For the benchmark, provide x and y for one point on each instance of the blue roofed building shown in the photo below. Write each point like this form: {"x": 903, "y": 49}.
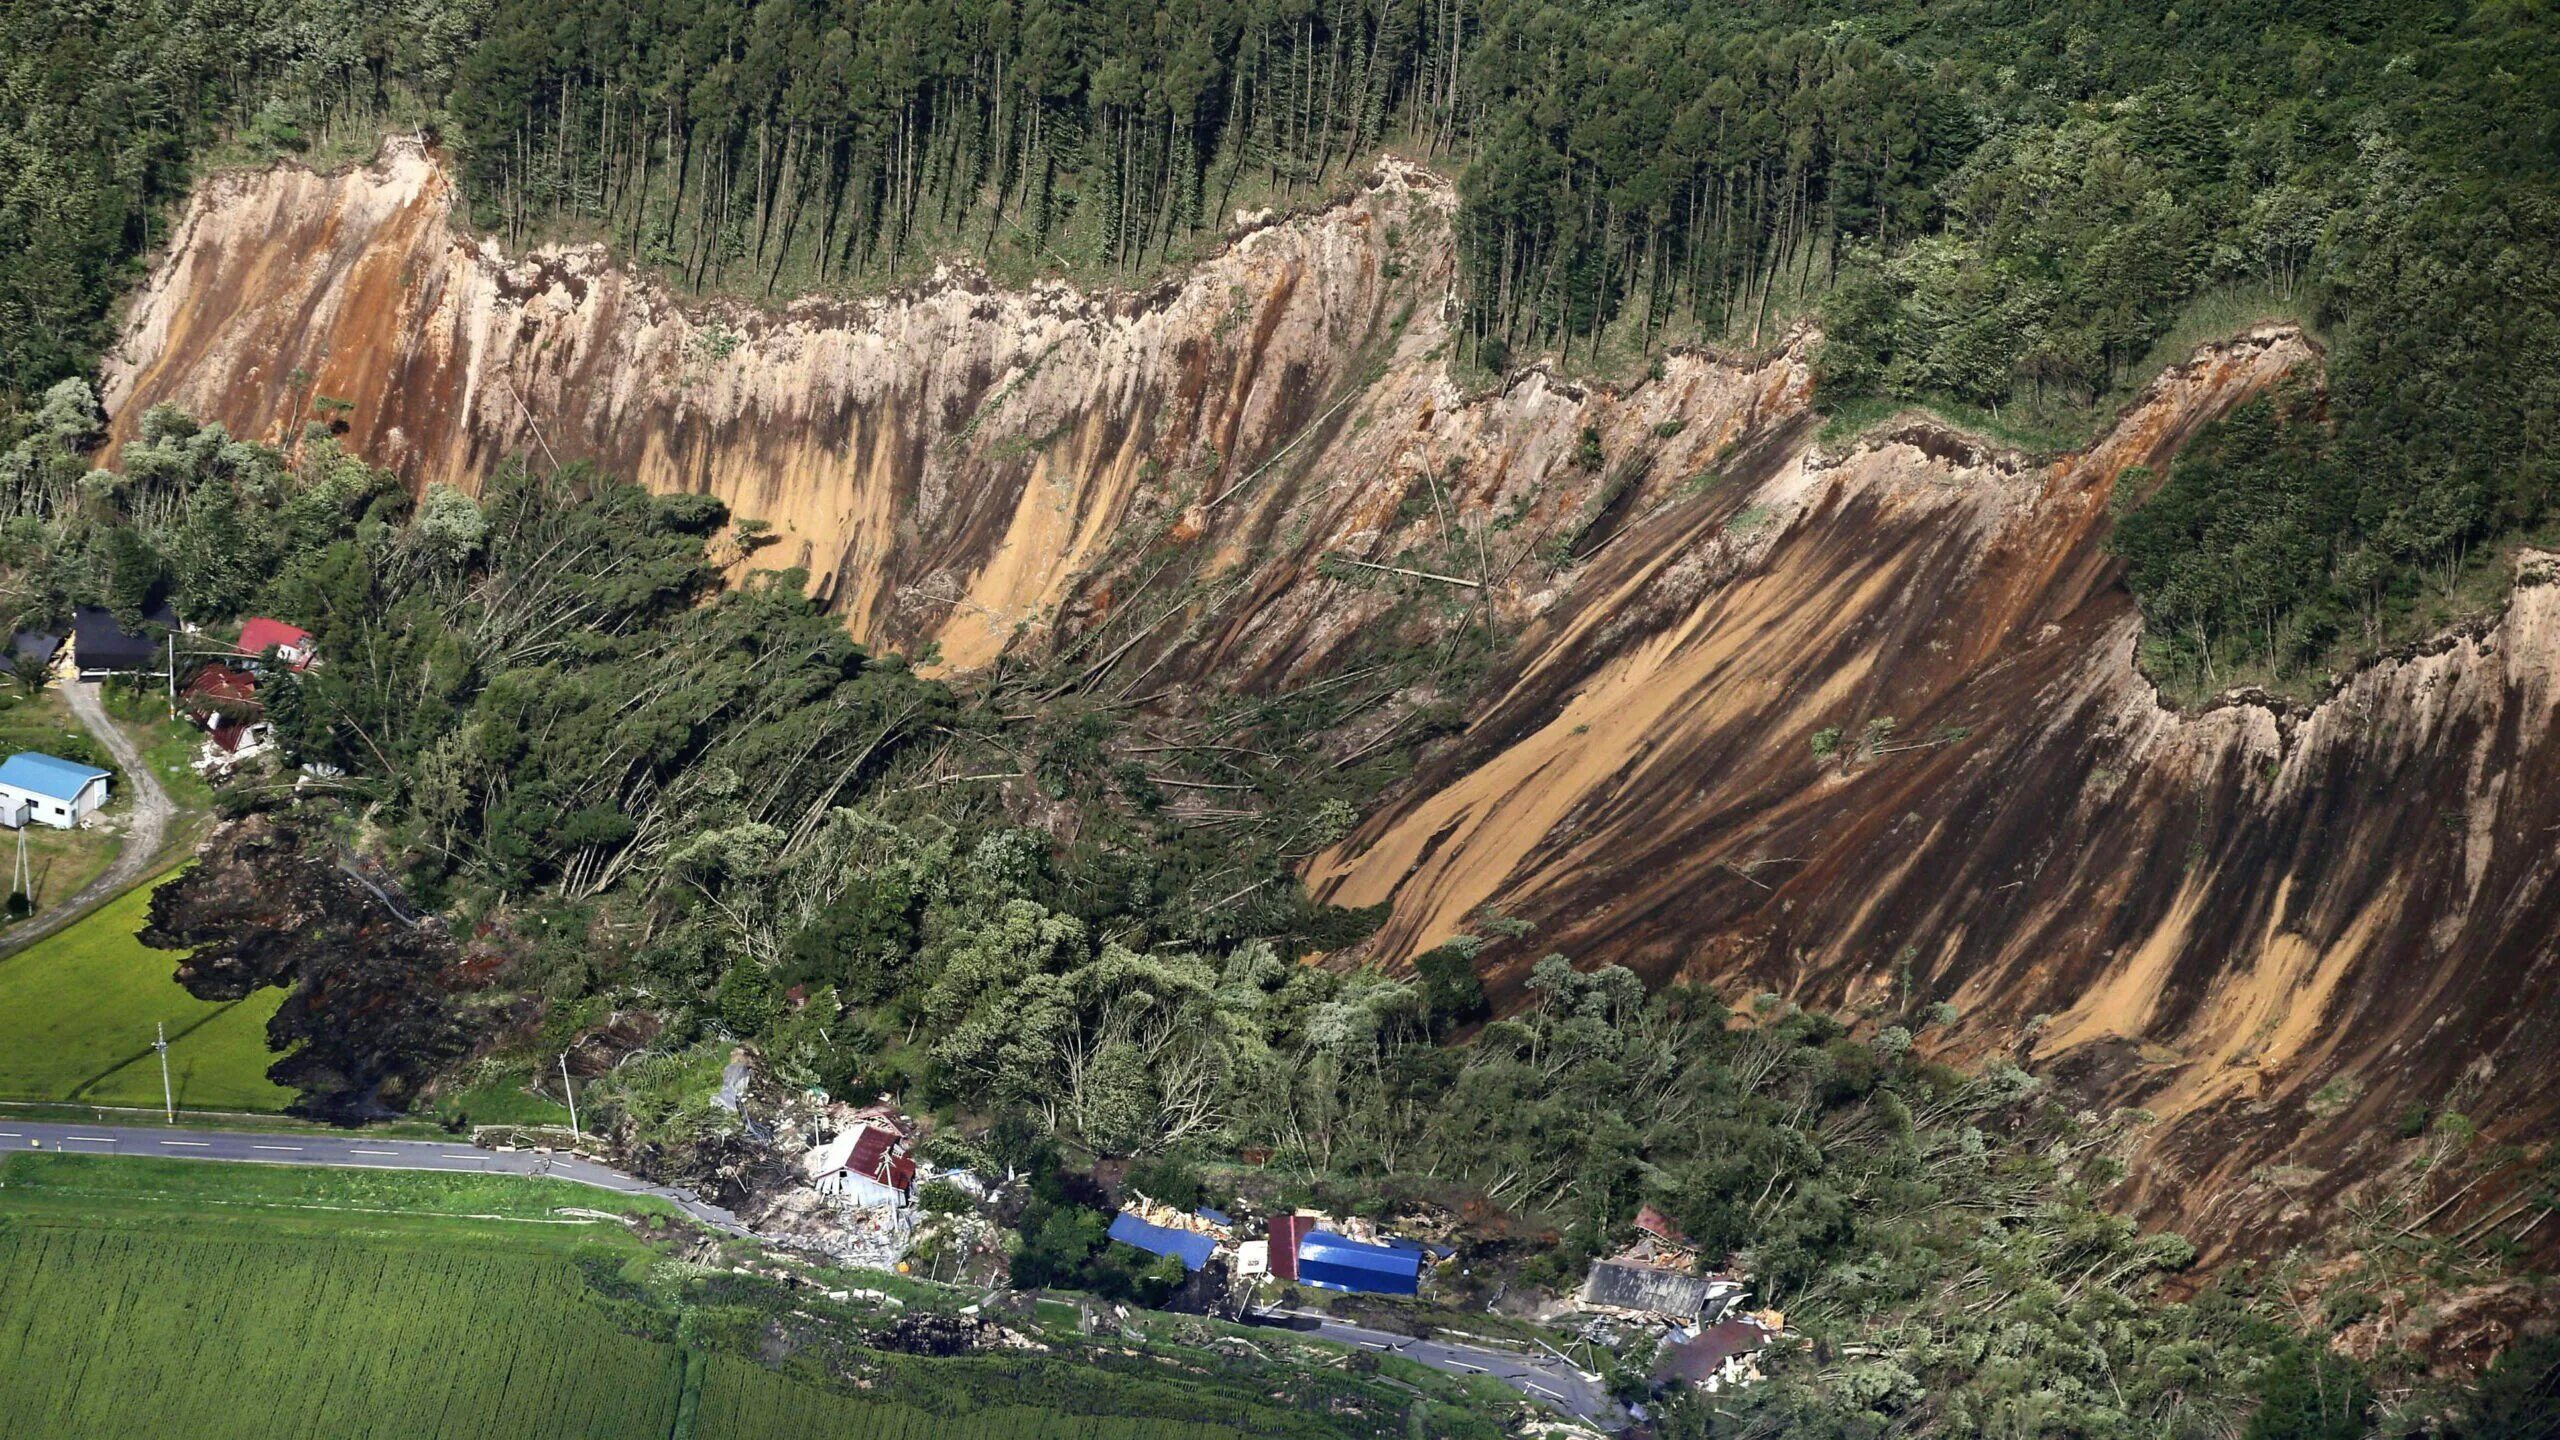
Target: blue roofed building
{"x": 1191, "y": 1249}
{"x": 1336, "y": 1262}
{"x": 48, "y": 790}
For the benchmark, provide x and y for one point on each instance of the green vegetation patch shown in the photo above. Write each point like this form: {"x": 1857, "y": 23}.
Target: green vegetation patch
{"x": 195, "y": 1187}
{"x": 118, "y": 1332}
{"x": 76, "y": 1015}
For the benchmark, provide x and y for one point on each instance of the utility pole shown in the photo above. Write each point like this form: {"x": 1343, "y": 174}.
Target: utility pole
{"x": 566, "y": 1090}
{"x": 168, "y": 1100}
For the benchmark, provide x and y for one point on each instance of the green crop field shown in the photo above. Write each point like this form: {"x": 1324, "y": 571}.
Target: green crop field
{"x": 237, "y": 1302}
{"x": 742, "y": 1401}
{"x": 76, "y": 1017}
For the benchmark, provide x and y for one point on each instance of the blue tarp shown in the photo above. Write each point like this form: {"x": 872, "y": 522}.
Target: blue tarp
{"x": 1192, "y": 1250}
{"x": 1336, "y": 1263}
{"x": 1214, "y": 1217}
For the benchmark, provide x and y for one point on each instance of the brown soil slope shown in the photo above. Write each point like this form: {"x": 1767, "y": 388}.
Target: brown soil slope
{"x": 2221, "y": 915}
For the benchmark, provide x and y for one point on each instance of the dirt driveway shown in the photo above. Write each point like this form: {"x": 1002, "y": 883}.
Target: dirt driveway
{"x": 146, "y": 829}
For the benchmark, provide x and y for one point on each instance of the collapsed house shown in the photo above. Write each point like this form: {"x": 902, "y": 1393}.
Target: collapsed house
{"x": 1721, "y": 1355}
{"x": 1192, "y": 1248}
{"x": 1654, "y": 1280}
{"x": 224, "y": 701}
{"x": 1630, "y": 1290}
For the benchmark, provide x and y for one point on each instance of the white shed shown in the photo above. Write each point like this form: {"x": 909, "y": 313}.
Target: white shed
{"x": 48, "y": 790}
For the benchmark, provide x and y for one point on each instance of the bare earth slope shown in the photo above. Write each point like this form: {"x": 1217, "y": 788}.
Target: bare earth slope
{"x": 2220, "y": 915}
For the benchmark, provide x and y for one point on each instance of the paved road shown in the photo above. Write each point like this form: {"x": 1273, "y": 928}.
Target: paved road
{"x": 1542, "y": 1378}
{"x": 355, "y": 1152}
{"x": 146, "y": 825}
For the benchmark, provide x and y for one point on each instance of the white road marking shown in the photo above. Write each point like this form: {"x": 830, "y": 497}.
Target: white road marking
{"x": 8, "y": 1134}
{"x": 92, "y": 1139}
{"x": 190, "y": 1144}
{"x": 276, "y": 1147}
{"x": 373, "y": 1152}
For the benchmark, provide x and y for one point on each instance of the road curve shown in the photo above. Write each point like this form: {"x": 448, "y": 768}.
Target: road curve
{"x": 144, "y": 835}
{"x": 1548, "y": 1381}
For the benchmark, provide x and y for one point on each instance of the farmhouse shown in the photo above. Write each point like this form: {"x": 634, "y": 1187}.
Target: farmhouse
{"x": 291, "y": 643}
{"x": 101, "y": 647}
{"x": 867, "y": 1165}
{"x": 48, "y": 790}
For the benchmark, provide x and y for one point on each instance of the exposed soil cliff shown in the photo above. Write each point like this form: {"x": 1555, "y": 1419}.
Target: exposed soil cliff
{"x": 2278, "y": 929}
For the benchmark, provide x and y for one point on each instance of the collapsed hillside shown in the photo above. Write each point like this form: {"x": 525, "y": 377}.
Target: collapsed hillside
{"x": 1856, "y": 725}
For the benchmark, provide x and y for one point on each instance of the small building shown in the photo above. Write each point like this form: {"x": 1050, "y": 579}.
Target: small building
{"x": 48, "y": 790}
{"x": 31, "y": 652}
{"x": 1653, "y": 1292}
{"x": 868, "y": 1165}
{"x": 1337, "y": 1262}
{"x": 291, "y": 643}
{"x": 1189, "y": 1246}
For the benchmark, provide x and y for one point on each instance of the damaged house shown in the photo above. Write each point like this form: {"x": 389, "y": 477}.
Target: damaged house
{"x": 1724, "y": 1354}
{"x": 869, "y": 1165}
{"x": 1632, "y": 1290}
{"x": 225, "y": 702}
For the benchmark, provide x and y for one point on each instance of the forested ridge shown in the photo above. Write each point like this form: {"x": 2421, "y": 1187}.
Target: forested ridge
{"x": 1999, "y": 207}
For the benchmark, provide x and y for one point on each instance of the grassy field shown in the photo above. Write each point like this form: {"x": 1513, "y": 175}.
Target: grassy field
{"x": 163, "y": 1297}
{"x": 76, "y": 1017}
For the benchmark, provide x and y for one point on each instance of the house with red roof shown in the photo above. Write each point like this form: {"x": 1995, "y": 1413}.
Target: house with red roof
{"x": 868, "y": 1164}
{"x": 291, "y": 643}
{"x": 225, "y": 702}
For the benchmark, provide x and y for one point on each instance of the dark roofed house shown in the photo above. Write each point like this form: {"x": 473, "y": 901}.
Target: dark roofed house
{"x": 1622, "y": 1287}
{"x": 101, "y": 647}
{"x": 31, "y": 652}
